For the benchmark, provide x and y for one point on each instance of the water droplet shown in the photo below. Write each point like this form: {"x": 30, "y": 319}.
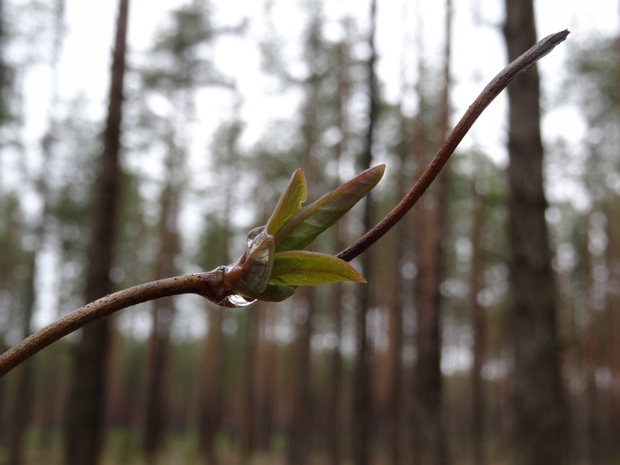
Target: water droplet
{"x": 239, "y": 300}
{"x": 253, "y": 234}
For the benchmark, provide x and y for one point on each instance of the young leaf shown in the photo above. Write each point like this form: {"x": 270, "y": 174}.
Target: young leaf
{"x": 275, "y": 293}
{"x": 301, "y": 268}
{"x": 311, "y": 220}
{"x": 290, "y": 201}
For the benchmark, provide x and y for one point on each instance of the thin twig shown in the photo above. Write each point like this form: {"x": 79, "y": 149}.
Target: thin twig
{"x": 205, "y": 284}
{"x": 213, "y": 286}
{"x": 492, "y": 90}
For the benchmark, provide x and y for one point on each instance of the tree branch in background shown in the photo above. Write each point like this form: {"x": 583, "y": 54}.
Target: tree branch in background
{"x": 216, "y": 285}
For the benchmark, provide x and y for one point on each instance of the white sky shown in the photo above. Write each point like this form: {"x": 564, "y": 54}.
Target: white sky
{"x": 477, "y": 51}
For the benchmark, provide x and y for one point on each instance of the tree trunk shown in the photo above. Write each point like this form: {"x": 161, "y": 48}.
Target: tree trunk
{"x": 248, "y": 398}
{"x": 211, "y": 400}
{"x": 537, "y": 397}
{"x": 429, "y": 447}
{"x": 87, "y": 399}
{"x": 611, "y": 448}
{"x": 162, "y": 311}
{"x": 266, "y": 379}
{"x": 4, "y": 110}
{"x": 334, "y": 410}
{"x": 478, "y": 324}
{"x": 396, "y": 405}
{"x": 590, "y": 360}
{"x": 22, "y": 403}
{"x": 429, "y": 442}
{"x": 302, "y": 414}
{"x": 362, "y": 393}
{"x": 613, "y": 310}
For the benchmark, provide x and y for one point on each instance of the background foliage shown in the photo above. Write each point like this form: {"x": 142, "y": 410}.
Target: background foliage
{"x": 204, "y": 163}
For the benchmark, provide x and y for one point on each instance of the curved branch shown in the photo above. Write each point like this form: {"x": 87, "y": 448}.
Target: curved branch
{"x": 208, "y": 285}
{"x": 213, "y": 285}
{"x": 492, "y": 90}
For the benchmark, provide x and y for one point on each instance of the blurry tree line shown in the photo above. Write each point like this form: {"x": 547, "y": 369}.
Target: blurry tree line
{"x": 441, "y": 358}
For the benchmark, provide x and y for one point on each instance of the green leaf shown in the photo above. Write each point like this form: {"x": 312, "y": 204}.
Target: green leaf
{"x": 301, "y": 268}
{"x": 290, "y": 201}
{"x": 275, "y": 293}
{"x": 310, "y": 221}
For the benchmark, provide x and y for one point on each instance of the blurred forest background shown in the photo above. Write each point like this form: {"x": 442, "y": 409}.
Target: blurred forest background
{"x": 422, "y": 364}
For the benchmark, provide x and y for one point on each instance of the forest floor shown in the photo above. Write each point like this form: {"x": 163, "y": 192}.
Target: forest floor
{"x": 226, "y": 457}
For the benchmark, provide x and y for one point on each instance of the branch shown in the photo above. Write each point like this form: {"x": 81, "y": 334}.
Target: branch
{"x": 492, "y": 90}
{"x": 216, "y": 285}
{"x": 209, "y": 285}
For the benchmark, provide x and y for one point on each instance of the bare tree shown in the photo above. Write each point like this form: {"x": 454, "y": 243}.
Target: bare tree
{"x": 362, "y": 395}
{"x": 87, "y": 399}
{"x": 163, "y": 310}
{"x": 478, "y": 324}
{"x": 537, "y": 397}
{"x": 430, "y": 233}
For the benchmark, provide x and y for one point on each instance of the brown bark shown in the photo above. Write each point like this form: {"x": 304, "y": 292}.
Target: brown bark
{"x": 266, "y": 375}
{"x": 537, "y": 398}
{"x": 248, "y": 397}
{"x": 396, "y": 402}
{"x": 22, "y": 403}
{"x": 396, "y": 405}
{"x": 86, "y": 405}
{"x": 302, "y": 413}
{"x": 333, "y": 407}
{"x": 210, "y": 416}
{"x": 478, "y": 324}
{"x": 428, "y": 434}
{"x": 613, "y": 309}
{"x": 4, "y": 110}
{"x": 362, "y": 393}
{"x": 594, "y": 445}
{"x": 21, "y": 408}
{"x": 10, "y": 253}
{"x": 430, "y": 446}
{"x": 612, "y": 320}
{"x": 162, "y": 314}
{"x": 211, "y": 386}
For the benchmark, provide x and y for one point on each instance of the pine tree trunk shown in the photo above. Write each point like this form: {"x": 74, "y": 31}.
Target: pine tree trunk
{"x": 163, "y": 310}
{"x": 4, "y": 110}
{"x": 211, "y": 385}
{"x": 266, "y": 379}
{"x": 21, "y": 408}
{"x": 537, "y": 397}
{"x": 85, "y": 417}
{"x": 302, "y": 414}
{"x": 396, "y": 402}
{"x": 478, "y": 324}
{"x": 362, "y": 392}
{"x": 611, "y": 448}
{"x": 429, "y": 444}
{"x": 614, "y": 307}
{"x": 302, "y": 418}
{"x": 592, "y": 420}
{"x": 248, "y": 398}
